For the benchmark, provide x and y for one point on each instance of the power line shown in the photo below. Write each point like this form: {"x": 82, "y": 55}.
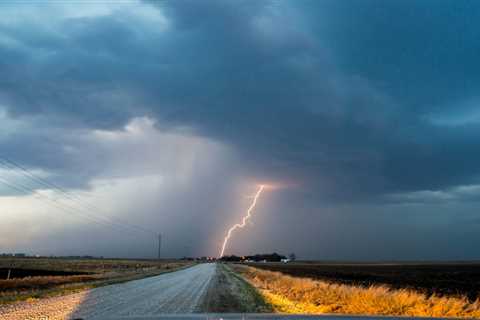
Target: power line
{"x": 25, "y": 190}
{"x": 66, "y": 208}
{"x": 67, "y": 194}
{"x": 11, "y": 165}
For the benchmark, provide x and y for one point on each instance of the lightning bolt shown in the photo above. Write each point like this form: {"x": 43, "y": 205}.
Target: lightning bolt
{"x": 244, "y": 220}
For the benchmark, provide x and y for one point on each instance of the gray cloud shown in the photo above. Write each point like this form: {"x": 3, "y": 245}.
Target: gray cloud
{"x": 342, "y": 103}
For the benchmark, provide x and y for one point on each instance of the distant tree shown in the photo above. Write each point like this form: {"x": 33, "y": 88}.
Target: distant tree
{"x": 273, "y": 257}
{"x": 292, "y": 256}
{"x": 231, "y": 258}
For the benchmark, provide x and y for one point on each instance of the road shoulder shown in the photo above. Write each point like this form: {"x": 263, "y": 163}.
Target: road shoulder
{"x": 229, "y": 292}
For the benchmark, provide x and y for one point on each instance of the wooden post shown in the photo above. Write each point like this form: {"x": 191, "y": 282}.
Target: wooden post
{"x": 8, "y": 274}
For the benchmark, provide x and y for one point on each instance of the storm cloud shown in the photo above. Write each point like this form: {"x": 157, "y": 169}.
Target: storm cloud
{"x": 363, "y": 113}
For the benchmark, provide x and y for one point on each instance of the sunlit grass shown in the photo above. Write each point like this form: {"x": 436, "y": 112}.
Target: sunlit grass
{"x": 302, "y": 295}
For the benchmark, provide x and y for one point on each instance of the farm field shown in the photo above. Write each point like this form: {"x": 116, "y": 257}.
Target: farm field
{"x": 442, "y": 279}
{"x": 302, "y": 295}
{"x": 31, "y": 278}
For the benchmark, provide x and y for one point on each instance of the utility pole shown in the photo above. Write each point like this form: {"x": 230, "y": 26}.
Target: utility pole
{"x": 159, "y": 245}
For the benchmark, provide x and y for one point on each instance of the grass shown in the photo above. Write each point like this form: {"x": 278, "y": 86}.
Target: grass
{"x": 442, "y": 279}
{"x": 95, "y": 273}
{"x": 84, "y": 265}
{"x": 228, "y": 292}
{"x": 43, "y": 282}
{"x": 289, "y": 294}
{"x": 254, "y": 301}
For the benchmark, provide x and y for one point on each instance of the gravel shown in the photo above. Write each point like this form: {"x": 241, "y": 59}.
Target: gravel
{"x": 176, "y": 292}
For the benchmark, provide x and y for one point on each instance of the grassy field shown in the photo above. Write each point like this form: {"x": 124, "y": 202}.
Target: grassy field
{"x": 81, "y": 274}
{"x": 441, "y": 279}
{"x": 290, "y": 294}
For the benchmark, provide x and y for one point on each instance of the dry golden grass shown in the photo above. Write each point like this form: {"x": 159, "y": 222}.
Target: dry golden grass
{"x": 303, "y": 295}
{"x": 44, "y": 282}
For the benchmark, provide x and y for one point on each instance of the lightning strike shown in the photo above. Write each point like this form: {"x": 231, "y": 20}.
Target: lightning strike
{"x": 244, "y": 220}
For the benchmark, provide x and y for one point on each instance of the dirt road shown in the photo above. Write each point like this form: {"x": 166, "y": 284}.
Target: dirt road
{"x": 176, "y": 292}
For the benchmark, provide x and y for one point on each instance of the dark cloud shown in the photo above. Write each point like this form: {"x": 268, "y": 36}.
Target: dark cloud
{"x": 340, "y": 100}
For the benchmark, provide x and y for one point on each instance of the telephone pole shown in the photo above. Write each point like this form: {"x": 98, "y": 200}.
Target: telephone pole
{"x": 159, "y": 245}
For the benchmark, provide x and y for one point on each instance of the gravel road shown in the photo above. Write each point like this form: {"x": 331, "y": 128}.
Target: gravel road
{"x": 176, "y": 292}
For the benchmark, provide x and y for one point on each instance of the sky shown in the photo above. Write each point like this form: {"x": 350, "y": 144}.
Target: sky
{"x": 361, "y": 116}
